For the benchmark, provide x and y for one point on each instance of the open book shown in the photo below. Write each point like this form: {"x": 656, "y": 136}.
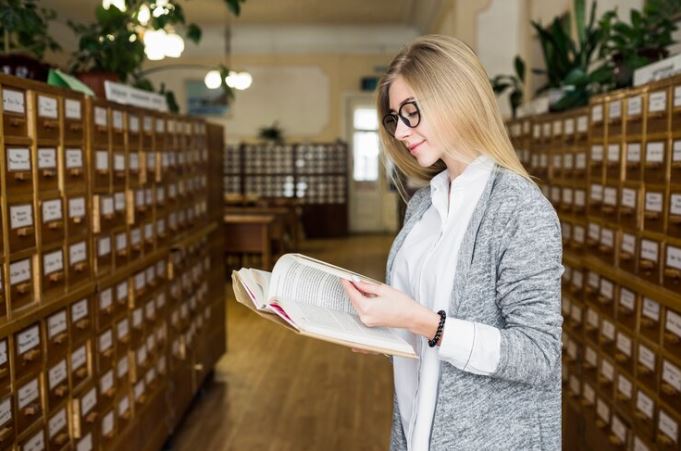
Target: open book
{"x": 305, "y": 295}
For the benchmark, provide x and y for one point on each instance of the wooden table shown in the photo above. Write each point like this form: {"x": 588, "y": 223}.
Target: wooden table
{"x": 285, "y": 230}
{"x": 246, "y": 233}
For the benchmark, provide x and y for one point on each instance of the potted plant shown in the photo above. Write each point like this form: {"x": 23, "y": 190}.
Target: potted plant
{"x": 25, "y": 38}
{"x": 514, "y": 82}
{"x": 644, "y": 40}
{"x": 272, "y": 133}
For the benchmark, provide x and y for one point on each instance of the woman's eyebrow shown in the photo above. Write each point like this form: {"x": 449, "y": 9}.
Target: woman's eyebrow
{"x": 408, "y": 99}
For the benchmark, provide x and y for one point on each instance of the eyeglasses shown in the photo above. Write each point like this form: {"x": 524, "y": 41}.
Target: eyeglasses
{"x": 409, "y": 114}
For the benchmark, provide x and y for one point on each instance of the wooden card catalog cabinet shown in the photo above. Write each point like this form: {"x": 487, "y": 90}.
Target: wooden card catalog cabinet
{"x": 73, "y": 119}
{"x": 634, "y": 114}
{"x": 591, "y": 288}
{"x": 122, "y": 295}
{"x": 133, "y": 129}
{"x": 47, "y": 115}
{"x": 80, "y": 364}
{"x": 136, "y": 242}
{"x": 57, "y": 335}
{"x": 606, "y": 338}
{"x": 627, "y": 306}
{"x": 28, "y": 351}
{"x": 606, "y": 246}
{"x": 107, "y": 387}
{"x": 79, "y": 263}
{"x": 657, "y": 111}
{"x": 644, "y": 411}
{"x": 160, "y": 128}
{"x": 588, "y": 395}
{"x": 117, "y": 128}
{"x": 615, "y": 116}
{"x": 140, "y": 392}
{"x": 101, "y": 170}
{"x": 107, "y": 427}
{"x": 134, "y": 168}
{"x": 81, "y": 320}
{"x": 48, "y": 172}
{"x": 633, "y": 161}
{"x": 53, "y": 272}
{"x": 21, "y": 225}
{"x": 671, "y": 271}
{"x": 624, "y": 393}
{"x": 123, "y": 331}
{"x": 630, "y": 205}
{"x": 35, "y": 440}
{"x": 100, "y": 125}
{"x": 568, "y": 163}
{"x": 613, "y": 168}
{"x": 14, "y": 123}
{"x": 52, "y": 228}
{"x": 649, "y": 320}
{"x": 76, "y": 206}
{"x": 88, "y": 442}
{"x": 596, "y": 122}
{"x": 647, "y": 363}
{"x": 674, "y": 212}
{"x": 147, "y": 132}
{"x": 675, "y": 170}
{"x": 649, "y": 258}
{"x": 104, "y": 214}
{"x": 654, "y": 208}
{"x": 602, "y": 413}
{"x": 120, "y": 172}
{"x": 140, "y": 205}
{"x": 120, "y": 209}
{"x": 628, "y": 251}
{"x": 57, "y": 383}
{"x": 656, "y": 162}
{"x": 137, "y": 322}
{"x": 104, "y": 254}
{"x": 139, "y": 287}
{"x": 84, "y": 408}
{"x": 148, "y": 232}
{"x": 672, "y": 331}
{"x": 4, "y": 363}
{"x": 670, "y": 383}
{"x": 121, "y": 247}
{"x": 7, "y": 418}
{"x": 74, "y": 178}
{"x": 667, "y": 430}
{"x": 58, "y": 429}
{"x": 105, "y": 350}
{"x": 153, "y": 167}
{"x": 21, "y": 285}
{"x": 624, "y": 352}
{"x": 595, "y": 199}
{"x": 590, "y": 364}
{"x": 123, "y": 410}
{"x": 619, "y": 432}
{"x": 105, "y": 308}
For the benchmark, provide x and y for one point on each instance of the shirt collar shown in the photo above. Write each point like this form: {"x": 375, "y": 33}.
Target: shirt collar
{"x": 480, "y": 166}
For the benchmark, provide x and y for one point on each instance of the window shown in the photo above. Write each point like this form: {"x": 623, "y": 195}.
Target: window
{"x": 365, "y": 144}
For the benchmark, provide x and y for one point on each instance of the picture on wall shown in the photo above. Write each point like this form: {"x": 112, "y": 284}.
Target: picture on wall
{"x": 202, "y": 101}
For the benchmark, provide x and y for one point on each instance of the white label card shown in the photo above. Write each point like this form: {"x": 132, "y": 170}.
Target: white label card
{"x": 13, "y": 101}
{"x": 671, "y": 374}
{"x": 597, "y": 113}
{"x": 77, "y": 252}
{"x": 47, "y": 107}
{"x": 645, "y": 404}
{"x": 651, "y": 309}
{"x": 76, "y": 207}
{"x": 649, "y": 250}
{"x": 72, "y": 109}
{"x": 51, "y": 210}
{"x": 102, "y": 160}
{"x": 634, "y": 106}
{"x": 53, "y": 262}
{"x": 655, "y": 152}
{"x": 646, "y": 357}
{"x": 657, "y": 101}
{"x": 18, "y": 159}
{"x": 57, "y": 375}
{"x": 74, "y": 158}
{"x": 28, "y": 393}
{"x": 79, "y": 310}
{"x": 57, "y": 423}
{"x": 634, "y": 152}
{"x": 20, "y": 271}
{"x": 47, "y": 158}
{"x": 5, "y": 411}
{"x": 78, "y": 358}
{"x": 673, "y": 257}
{"x": 673, "y": 322}
{"x": 668, "y": 426}
{"x": 100, "y": 116}
{"x": 21, "y": 216}
{"x": 654, "y": 201}
{"x": 28, "y": 339}
{"x": 103, "y": 246}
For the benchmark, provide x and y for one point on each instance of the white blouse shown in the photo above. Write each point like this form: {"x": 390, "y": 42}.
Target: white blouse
{"x": 424, "y": 268}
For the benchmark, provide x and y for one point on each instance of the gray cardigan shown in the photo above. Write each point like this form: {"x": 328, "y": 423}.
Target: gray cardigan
{"x": 508, "y": 276}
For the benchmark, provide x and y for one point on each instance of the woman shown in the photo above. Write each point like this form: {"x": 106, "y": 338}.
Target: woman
{"x": 480, "y": 246}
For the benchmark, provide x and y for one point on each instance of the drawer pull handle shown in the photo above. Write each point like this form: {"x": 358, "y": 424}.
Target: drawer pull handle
{"x": 81, "y": 373}
{"x": 31, "y": 355}
{"x": 5, "y": 433}
{"x": 668, "y": 389}
{"x": 615, "y": 440}
{"x": 675, "y": 219}
{"x": 646, "y": 264}
{"x": 104, "y": 172}
{"x": 75, "y": 172}
{"x": 80, "y": 267}
{"x": 621, "y": 357}
{"x": 625, "y": 311}
{"x": 77, "y": 219}
{"x": 50, "y": 124}
{"x": 75, "y": 127}
{"x": 23, "y": 288}
{"x": 3, "y": 372}
{"x": 54, "y": 225}
{"x": 142, "y": 399}
{"x": 125, "y": 415}
{"x": 670, "y": 337}
{"x": 92, "y": 416}
{"x": 108, "y": 310}
{"x": 672, "y": 273}
{"x": 641, "y": 416}
{"x": 663, "y": 439}
{"x": 586, "y": 403}
{"x": 61, "y": 390}
{"x": 603, "y": 300}
{"x": 108, "y": 353}
{"x": 643, "y": 369}
{"x": 61, "y": 439}
{"x": 626, "y": 211}
{"x": 30, "y": 411}
{"x": 600, "y": 424}
{"x": 120, "y": 174}
{"x": 603, "y": 248}
{"x": 48, "y": 173}
{"x": 16, "y": 122}
{"x": 21, "y": 176}
{"x": 651, "y": 214}
{"x": 109, "y": 393}
{"x": 83, "y": 324}
{"x": 619, "y": 396}
{"x": 61, "y": 338}
{"x": 55, "y": 277}
{"x": 607, "y": 209}
{"x": 24, "y": 231}
{"x": 625, "y": 256}
{"x": 647, "y": 322}
{"x": 122, "y": 252}
{"x": 124, "y": 339}
{"x": 108, "y": 216}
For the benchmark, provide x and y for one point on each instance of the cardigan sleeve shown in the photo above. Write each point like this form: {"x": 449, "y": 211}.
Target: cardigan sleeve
{"x": 529, "y": 273}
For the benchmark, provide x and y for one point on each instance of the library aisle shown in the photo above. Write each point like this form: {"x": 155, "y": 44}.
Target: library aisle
{"x": 274, "y": 390}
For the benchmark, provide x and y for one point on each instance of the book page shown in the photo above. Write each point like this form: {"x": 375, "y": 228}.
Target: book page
{"x": 294, "y": 281}
{"x": 256, "y": 282}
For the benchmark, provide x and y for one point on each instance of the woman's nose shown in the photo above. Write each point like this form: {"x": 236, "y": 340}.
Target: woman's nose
{"x": 402, "y": 131}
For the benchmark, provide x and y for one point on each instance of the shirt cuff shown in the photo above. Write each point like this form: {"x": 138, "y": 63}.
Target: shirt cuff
{"x": 470, "y": 346}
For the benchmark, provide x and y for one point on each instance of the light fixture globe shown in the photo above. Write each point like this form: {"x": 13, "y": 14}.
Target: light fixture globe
{"x": 174, "y": 45}
{"x": 213, "y": 80}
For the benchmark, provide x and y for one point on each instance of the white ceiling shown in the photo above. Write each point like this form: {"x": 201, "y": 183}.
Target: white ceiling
{"x": 419, "y": 14}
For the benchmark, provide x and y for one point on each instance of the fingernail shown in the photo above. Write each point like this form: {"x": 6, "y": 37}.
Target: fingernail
{"x": 355, "y": 278}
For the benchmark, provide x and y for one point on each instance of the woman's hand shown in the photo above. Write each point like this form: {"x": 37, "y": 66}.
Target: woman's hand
{"x": 384, "y": 306}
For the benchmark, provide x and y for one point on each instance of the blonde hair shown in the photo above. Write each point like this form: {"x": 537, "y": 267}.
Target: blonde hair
{"x": 454, "y": 96}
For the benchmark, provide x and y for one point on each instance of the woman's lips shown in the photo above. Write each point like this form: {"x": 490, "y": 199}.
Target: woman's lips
{"x": 412, "y": 149}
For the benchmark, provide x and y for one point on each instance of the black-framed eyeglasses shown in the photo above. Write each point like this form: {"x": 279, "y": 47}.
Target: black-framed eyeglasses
{"x": 409, "y": 113}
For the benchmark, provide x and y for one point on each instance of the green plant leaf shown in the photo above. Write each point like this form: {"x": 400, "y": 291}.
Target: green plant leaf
{"x": 194, "y": 33}
{"x": 519, "y": 66}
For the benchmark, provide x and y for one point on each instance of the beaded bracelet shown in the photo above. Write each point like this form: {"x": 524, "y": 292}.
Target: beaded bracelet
{"x": 440, "y": 326}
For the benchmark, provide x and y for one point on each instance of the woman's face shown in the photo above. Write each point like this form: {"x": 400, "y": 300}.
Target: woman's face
{"x": 419, "y": 140}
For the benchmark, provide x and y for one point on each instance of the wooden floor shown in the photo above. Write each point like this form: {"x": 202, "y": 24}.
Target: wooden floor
{"x": 274, "y": 390}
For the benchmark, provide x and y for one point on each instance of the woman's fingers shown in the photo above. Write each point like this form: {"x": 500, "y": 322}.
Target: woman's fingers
{"x": 368, "y": 288}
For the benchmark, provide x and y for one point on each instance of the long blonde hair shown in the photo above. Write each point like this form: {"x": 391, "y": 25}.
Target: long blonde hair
{"x": 455, "y": 96}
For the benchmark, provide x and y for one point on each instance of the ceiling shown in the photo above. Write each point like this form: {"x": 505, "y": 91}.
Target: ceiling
{"x": 417, "y": 13}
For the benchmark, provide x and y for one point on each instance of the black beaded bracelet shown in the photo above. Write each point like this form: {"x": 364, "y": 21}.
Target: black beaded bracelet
{"x": 440, "y": 327}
